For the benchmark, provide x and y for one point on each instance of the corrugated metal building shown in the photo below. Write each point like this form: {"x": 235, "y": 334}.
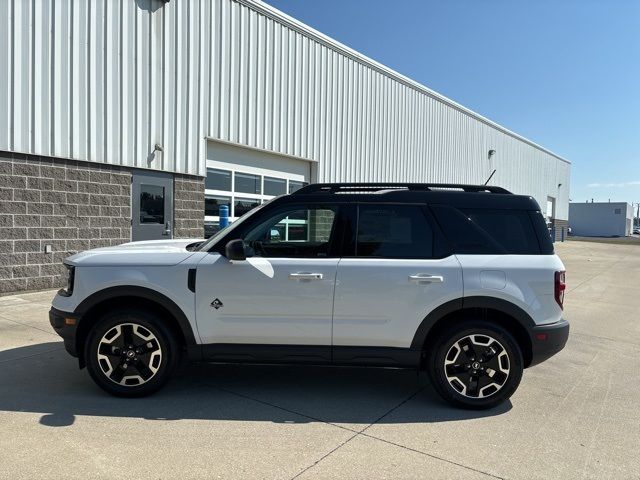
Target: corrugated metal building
{"x": 601, "y": 219}
{"x": 113, "y": 113}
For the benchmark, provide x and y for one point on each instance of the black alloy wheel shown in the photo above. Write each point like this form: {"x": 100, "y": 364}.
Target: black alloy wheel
{"x": 475, "y": 364}
{"x": 130, "y": 353}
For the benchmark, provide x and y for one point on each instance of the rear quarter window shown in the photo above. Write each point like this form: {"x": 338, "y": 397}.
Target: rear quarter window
{"x": 487, "y": 231}
{"x": 512, "y": 229}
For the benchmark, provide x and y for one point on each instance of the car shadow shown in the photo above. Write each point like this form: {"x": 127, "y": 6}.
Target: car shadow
{"x": 44, "y": 379}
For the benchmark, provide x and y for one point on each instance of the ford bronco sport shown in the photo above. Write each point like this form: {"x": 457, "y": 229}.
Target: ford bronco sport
{"x": 459, "y": 280}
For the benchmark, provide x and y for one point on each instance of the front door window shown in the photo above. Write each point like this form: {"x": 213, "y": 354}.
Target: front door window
{"x": 298, "y": 232}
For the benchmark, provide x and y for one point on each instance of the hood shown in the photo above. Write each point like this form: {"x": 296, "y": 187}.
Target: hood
{"x": 148, "y": 252}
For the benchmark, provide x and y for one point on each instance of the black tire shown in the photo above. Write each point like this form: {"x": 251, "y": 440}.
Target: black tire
{"x": 481, "y": 383}
{"x": 156, "y": 353}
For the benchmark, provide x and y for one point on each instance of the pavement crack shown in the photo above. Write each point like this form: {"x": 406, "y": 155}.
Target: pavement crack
{"x": 356, "y": 433}
{"x": 436, "y": 457}
{"x": 242, "y": 395}
{"x": 339, "y": 446}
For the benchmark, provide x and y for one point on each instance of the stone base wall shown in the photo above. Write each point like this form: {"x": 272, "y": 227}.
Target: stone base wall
{"x": 188, "y": 206}
{"x": 559, "y": 225}
{"x": 67, "y": 206}
{"x": 62, "y": 205}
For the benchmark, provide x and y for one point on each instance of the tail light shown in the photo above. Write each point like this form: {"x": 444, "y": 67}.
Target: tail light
{"x": 560, "y": 287}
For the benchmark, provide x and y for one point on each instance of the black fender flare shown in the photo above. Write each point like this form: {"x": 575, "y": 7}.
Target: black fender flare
{"x": 140, "y": 292}
{"x": 504, "y": 306}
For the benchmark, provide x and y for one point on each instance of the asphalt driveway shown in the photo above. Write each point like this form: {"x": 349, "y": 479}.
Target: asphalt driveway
{"x": 575, "y": 416}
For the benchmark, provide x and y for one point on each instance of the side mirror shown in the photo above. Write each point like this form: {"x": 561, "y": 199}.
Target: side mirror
{"x": 235, "y": 250}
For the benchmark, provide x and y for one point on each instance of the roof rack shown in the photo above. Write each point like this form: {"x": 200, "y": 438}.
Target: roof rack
{"x": 375, "y": 187}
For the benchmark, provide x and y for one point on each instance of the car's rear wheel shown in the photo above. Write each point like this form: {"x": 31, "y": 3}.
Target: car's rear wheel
{"x": 130, "y": 353}
{"x": 475, "y": 364}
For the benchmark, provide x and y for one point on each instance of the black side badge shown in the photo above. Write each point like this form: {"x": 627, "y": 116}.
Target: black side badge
{"x": 216, "y": 304}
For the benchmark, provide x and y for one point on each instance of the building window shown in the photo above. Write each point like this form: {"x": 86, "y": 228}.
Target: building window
{"x": 246, "y": 183}
{"x": 293, "y": 185}
{"x": 242, "y": 190}
{"x": 243, "y": 205}
{"x": 212, "y": 204}
{"x": 218, "y": 179}
{"x": 618, "y": 211}
{"x": 275, "y": 186}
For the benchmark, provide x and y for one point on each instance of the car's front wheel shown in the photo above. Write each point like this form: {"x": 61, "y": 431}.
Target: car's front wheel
{"x": 130, "y": 353}
{"x": 475, "y": 364}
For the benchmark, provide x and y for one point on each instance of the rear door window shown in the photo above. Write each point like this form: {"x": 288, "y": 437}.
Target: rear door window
{"x": 393, "y": 231}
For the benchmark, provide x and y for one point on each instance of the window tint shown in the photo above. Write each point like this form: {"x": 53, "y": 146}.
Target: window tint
{"x": 151, "y": 204}
{"x": 512, "y": 229}
{"x": 211, "y": 228}
{"x": 480, "y": 231}
{"x": 218, "y": 179}
{"x": 461, "y": 232}
{"x": 294, "y": 233}
{"x": 393, "y": 231}
{"x": 247, "y": 183}
{"x": 540, "y": 226}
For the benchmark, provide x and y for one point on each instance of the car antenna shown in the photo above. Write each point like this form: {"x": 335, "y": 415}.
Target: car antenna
{"x": 490, "y": 176}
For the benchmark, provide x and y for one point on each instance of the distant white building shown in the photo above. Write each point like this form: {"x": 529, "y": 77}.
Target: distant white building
{"x": 610, "y": 219}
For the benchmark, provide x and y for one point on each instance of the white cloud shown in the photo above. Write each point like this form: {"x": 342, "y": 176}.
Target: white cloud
{"x": 614, "y": 185}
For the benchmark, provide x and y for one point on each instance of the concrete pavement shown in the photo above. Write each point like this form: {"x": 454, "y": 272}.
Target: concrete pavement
{"x": 575, "y": 416}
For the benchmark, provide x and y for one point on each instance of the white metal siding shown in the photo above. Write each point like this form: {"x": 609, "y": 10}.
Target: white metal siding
{"x": 105, "y": 81}
{"x": 280, "y": 90}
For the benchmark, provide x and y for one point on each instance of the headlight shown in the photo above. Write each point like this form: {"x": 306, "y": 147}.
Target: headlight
{"x": 71, "y": 273}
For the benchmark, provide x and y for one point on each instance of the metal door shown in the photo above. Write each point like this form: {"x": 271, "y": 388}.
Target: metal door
{"x": 152, "y": 206}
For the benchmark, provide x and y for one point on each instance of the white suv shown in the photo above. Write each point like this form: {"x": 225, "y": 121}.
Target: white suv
{"x": 459, "y": 280}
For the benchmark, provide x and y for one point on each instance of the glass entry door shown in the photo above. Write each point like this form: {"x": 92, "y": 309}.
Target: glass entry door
{"x": 152, "y": 206}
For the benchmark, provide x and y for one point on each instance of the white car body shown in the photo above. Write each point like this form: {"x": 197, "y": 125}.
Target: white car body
{"x": 363, "y": 302}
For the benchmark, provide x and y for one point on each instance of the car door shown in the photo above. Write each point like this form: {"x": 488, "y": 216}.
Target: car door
{"x": 395, "y": 276}
{"x": 281, "y": 296}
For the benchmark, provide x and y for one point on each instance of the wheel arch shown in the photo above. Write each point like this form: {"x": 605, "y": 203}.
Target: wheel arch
{"x": 98, "y": 303}
{"x": 502, "y": 312}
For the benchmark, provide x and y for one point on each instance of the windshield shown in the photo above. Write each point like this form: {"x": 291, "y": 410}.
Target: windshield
{"x": 207, "y": 244}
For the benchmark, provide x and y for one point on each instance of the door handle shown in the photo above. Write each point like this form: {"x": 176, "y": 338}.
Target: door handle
{"x": 305, "y": 276}
{"x": 426, "y": 278}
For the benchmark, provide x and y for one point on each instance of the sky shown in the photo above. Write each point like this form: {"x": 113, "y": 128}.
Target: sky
{"x": 563, "y": 73}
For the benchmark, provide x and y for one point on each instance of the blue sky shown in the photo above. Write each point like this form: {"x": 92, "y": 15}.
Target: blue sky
{"x": 564, "y": 73}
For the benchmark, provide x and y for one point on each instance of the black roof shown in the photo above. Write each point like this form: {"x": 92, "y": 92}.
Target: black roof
{"x": 457, "y": 195}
